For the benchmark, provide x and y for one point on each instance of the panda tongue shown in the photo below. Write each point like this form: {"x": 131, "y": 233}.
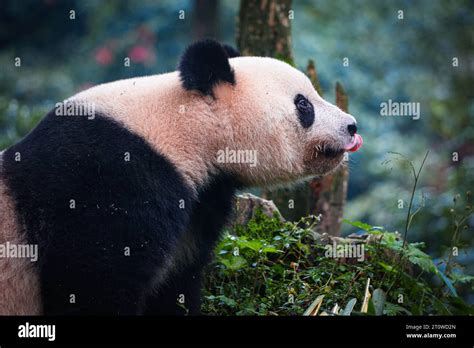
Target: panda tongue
{"x": 355, "y": 144}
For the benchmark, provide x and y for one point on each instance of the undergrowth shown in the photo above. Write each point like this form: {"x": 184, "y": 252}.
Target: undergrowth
{"x": 269, "y": 267}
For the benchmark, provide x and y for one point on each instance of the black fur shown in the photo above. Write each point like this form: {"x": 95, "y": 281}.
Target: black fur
{"x": 118, "y": 204}
{"x": 209, "y": 215}
{"x": 305, "y": 111}
{"x": 203, "y": 65}
{"x": 231, "y": 51}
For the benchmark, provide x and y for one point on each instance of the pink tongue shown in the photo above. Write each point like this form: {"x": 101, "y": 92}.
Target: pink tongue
{"x": 355, "y": 144}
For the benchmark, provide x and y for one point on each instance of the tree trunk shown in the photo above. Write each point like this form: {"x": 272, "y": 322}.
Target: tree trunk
{"x": 205, "y": 19}
{"x": 330, "y": 192}
{"x": 265, "y": 29}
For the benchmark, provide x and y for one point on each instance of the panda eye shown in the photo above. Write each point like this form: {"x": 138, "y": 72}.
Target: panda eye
{"x": 302, "y": 103}
{"x": 305, "y": 111}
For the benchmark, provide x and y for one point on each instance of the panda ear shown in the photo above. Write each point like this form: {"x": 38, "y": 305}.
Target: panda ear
{"x": 203, "y": 65}
{"x": 231, "y": 51}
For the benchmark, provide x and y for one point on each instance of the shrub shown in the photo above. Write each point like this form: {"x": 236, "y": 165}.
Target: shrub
{"x": 271, "y": 267}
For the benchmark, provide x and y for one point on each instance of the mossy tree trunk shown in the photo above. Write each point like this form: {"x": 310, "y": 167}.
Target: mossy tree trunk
{"x": 265, "y": 29}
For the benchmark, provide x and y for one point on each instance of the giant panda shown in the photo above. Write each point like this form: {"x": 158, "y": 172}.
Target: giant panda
{"x": 126, "y": 206}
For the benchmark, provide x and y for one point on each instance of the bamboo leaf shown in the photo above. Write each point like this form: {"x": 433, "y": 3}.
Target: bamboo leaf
{"x": 314, "y": 307}
{"x": 448, "y": 283}
{"x": 365, "y": 302}
{"x": 349, "y": 307}
{"x": 379, "y": 297}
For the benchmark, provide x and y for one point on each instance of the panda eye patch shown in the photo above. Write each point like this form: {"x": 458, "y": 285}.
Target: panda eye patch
{"x": 305, "y": 110}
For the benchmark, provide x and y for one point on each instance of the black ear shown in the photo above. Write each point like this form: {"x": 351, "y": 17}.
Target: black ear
{"x": 231, "y": 51}
{"x": 203, "y": 65}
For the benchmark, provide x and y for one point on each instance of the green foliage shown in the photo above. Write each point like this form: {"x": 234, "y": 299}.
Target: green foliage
{"x": 17, "y": 120}
{"x": 278, "y": 268}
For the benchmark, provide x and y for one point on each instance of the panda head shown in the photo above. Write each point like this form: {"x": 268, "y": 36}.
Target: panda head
{"x": 270, "y": 113}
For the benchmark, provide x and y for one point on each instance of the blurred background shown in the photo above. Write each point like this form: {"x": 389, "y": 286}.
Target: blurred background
{"x": 51, "y": 49}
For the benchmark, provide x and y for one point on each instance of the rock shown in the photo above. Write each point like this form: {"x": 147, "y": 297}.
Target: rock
{"x": 246, "y": 204}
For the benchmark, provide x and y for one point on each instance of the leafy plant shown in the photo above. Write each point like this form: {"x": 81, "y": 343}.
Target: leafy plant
{"x": 271, "y": 267}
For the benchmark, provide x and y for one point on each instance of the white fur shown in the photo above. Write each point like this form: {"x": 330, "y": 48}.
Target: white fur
{"x": 19, "y": 282}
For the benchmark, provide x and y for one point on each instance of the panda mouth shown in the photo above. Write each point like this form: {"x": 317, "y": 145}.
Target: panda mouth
{"x": 333, "y": 150}
{"x": 329, "y": 151}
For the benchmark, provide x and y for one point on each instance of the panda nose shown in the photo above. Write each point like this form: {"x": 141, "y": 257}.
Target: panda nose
{"x": 352, "y": 128}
